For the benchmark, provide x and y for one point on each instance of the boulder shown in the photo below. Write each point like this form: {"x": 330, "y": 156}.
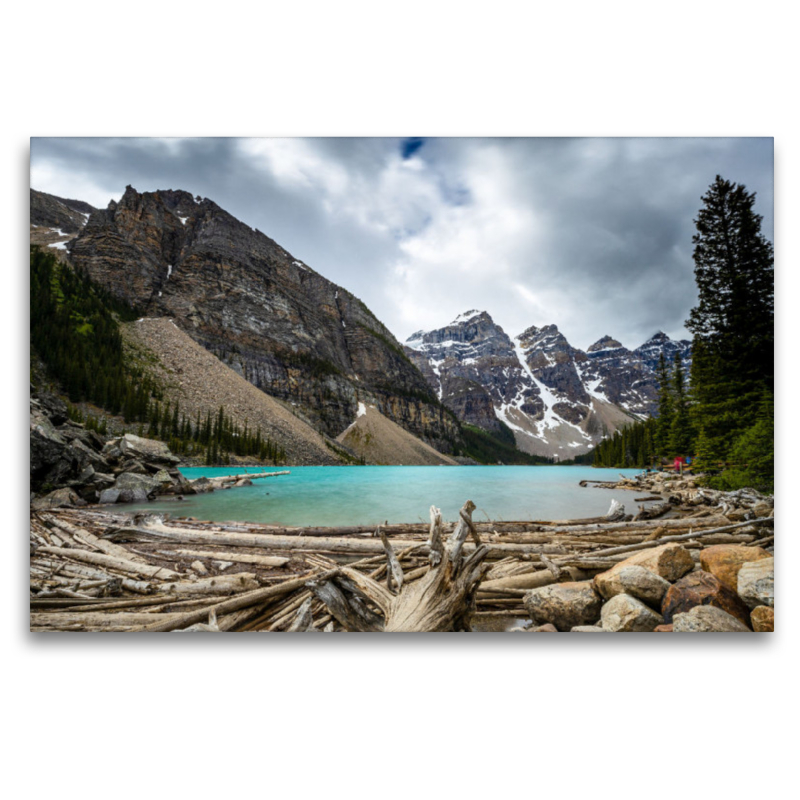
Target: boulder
{"x": 146, "y": 450}
{"x": 51, "y": 458}
{"x": 85, "y": 455}
{"x": 628, "y": 614}
{"x": 707, "y": 619}
{"x": 163, "y": 477}
{"x": 548, "y": 628}
{"x": 60, "y": 498}
{"x": 73, "y": 431}
{"x": 564, "y": 605}
{"x": 131, "y": 481}
{"x": 702, "y": 589}
{"x": 757, "y": 583}
{"x": 138, "y": 495}
{"x": 670, "y": 562}
{"x": 762, "y": 509}
{"x": 111, "y": 451}
{"x": 663, "y": 628}
{"x": 588, "y": 629}
{"x": 725, "y": 560}
{"x": 634, "y": 580}
{"x": 763, "y": 619}
{"x": 133, "y": 466}
{"x": 109, "y": 496}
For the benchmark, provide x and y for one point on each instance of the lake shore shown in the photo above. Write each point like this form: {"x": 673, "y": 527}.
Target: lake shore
{"x": 107, "y": 569}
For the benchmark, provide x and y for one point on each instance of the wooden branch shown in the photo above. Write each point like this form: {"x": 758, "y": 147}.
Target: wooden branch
{"x": 303, "y": 621}
{"x": 435, "y": 542}
{"x": 394, "y": 573}
{"x": 112, "y": 562}
{"x": 459, "y": 535}
{"x": 258, "y": 596}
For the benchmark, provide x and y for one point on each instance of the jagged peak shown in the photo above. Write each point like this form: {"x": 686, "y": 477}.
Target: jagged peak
{"x": 533, "y": 331}
{"x": 606, "y": 343}
{"x": 467, "y": 316}
{"x": 658, "y": 336}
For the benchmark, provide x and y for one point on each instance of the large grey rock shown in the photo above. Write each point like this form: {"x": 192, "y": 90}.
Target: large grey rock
{"x": 756, "y": 583}
{"x": 133, "y": 496}
{"x": 60, "y": 498}
{"x": 146, "y": 450}
{"x": 109, "y": 496}
{"x": 564, "y": 605}
{"x": 85, "y": 455}
{"x": 634, "y": 580}
{"x": 130, "y": 481}
{"x": 707, "y": 619}
{"x": 623, "y": 613}
{"x": 52, "y": 460}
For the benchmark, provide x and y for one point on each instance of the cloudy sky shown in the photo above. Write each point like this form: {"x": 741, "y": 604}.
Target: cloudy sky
{"x": 593, "y": 235}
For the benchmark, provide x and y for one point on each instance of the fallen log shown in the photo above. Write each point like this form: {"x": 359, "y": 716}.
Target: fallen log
{"x": 256, "y": 597}
{"x": 242, "y": 558}
{"x": 112, "y": 562}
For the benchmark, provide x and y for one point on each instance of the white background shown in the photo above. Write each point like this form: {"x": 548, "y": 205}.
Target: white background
{"x": 482, "y": 715}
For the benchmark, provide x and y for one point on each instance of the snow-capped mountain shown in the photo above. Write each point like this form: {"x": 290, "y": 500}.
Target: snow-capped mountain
{"x": 659, "y": 343}
{"x": 557, "y": 399}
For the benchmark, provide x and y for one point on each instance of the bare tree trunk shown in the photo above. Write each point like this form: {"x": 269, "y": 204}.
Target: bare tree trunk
{"x": 441, "y": 600}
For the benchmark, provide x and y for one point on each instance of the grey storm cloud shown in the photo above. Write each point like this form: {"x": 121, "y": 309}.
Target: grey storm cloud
{"x": 593, "y": 235}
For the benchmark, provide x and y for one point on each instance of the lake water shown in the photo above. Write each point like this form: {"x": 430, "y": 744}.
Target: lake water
{"x": 328, "y": 496}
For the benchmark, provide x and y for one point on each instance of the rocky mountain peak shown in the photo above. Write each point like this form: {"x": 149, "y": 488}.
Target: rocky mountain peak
{"x": 265, "y": 313}
{"x": 606, "y": 343}
{"x": 658, "y": 336}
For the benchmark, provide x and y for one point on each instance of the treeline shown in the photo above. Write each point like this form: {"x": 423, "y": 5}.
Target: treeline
{"x": 75, "y": 331}
{"x": 726, "y": 418}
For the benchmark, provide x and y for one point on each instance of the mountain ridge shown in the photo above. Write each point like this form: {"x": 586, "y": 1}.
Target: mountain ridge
{"x": 558, "y": 399}
{"x": 269, "y": 316}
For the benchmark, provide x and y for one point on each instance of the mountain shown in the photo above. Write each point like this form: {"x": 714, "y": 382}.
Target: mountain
{"x": 558, "y": 400}
{"x": 187, "y": 371}
{"x": 378, "y": 440}
{"x": 620, "y": 376}
{"x": 54, "y": 220}
{"x": 660, "y": 343}
{"x": 266, "y": 314}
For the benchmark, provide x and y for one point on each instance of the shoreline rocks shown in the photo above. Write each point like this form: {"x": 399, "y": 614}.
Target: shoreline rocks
{"x": 708, "y": 619}
{"x": 564, "y": 605}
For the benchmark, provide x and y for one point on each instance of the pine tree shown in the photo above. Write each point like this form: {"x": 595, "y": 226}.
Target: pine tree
{"x": 681, "y": 437}
{"x": 664, "y": 422}
{"x": 733, "y": 323}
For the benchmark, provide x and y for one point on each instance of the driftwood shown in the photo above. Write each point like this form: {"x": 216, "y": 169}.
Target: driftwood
{"x": 443, "y": 599}
{"x": 98, "y": 570}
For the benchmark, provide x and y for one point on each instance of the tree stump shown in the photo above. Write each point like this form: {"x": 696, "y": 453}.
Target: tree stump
{"x": 441, "y": 600}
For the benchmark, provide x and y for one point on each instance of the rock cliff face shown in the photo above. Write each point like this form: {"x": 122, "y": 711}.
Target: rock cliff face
{"x": 54, "y": 220}
{"x": 619, "y": 375}
{"x": 558, "y": 400}
{"x": 49, "y": 211}
{"x": 270, "y": 317}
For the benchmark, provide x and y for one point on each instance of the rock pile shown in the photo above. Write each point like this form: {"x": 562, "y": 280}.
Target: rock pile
{"x": 73, "y": 466}
{"x": 663, "y": 589}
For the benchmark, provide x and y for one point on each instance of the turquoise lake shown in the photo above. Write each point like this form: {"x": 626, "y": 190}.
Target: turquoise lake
{"x": 370, "y": 495}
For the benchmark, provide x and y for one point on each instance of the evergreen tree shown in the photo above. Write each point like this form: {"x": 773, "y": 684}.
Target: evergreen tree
{"x": 664, "y": 423}
{"x": 733, "y": 322}
{"x": 681, "y": 437}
